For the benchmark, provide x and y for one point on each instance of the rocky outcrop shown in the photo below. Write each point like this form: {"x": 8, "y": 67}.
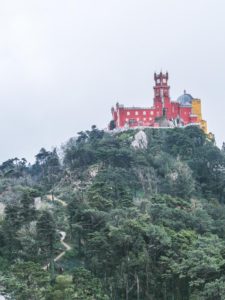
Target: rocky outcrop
{"x": 140, "y": 140}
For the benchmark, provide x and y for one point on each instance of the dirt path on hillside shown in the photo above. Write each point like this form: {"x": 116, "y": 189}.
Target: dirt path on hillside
{"x": 62, "y": 233}
{"x": 49, "y": 197}
{"x": 68, "y": 247}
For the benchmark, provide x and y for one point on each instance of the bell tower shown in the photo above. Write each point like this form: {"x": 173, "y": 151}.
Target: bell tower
{"x": 162, "y": 94}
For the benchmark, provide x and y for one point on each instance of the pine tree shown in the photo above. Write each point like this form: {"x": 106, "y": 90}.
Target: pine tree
{"x": 46, "y": 234}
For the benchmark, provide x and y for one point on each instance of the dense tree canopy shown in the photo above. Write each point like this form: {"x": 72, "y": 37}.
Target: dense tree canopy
{"x": 143, "y": 223}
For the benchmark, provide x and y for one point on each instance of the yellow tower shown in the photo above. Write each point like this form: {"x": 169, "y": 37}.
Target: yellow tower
{"x": 197, "y": 110}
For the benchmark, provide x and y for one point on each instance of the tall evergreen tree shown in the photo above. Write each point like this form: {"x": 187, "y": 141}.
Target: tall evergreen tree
{"x": 47, "y": 236}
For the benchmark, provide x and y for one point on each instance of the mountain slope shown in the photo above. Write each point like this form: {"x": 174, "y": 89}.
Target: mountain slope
{"x": 143, "y": 212}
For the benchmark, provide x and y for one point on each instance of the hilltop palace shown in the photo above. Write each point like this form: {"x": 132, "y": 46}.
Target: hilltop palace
{"x": 185, "y": 111}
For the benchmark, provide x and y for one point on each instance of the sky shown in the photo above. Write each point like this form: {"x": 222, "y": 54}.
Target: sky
{"x": 64, "y": 64}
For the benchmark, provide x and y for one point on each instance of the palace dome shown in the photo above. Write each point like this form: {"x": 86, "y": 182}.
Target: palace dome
{"x": 185, "y": 99}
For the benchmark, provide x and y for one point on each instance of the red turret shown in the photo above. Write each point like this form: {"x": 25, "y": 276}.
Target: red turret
{"x": 162, "y": 95}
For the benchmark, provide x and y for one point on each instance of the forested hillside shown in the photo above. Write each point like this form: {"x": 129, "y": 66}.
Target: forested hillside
{"x": 133, "y": 215}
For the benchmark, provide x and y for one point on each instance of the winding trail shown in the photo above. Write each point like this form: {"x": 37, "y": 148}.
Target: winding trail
{"x": 68, "y": 247}
{"x": 62, "y": 233}
{"x": 55, "y": 199}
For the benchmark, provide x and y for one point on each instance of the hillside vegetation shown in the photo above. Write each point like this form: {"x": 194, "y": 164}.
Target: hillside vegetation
{"x": 144, "y": 221}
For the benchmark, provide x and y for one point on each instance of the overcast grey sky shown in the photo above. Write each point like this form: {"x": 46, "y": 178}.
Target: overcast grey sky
{"x": 63, "y": 64}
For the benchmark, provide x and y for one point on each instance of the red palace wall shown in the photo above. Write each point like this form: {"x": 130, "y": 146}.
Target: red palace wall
{"x": 133, "y": 117}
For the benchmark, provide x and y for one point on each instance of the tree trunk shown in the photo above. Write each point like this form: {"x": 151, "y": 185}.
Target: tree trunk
{"x": 127, "y": 290}
{"x": 138, "y": 287}
{"x": 52, "y": 269}
{"x": 147, "y": 279}
{"x": 52, "y": 264}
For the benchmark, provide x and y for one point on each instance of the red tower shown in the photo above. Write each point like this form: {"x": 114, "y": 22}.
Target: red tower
{"x": 162, "y": 95}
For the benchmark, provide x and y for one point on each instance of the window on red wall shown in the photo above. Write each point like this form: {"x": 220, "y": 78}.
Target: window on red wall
{"x": 132, "y": 121}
